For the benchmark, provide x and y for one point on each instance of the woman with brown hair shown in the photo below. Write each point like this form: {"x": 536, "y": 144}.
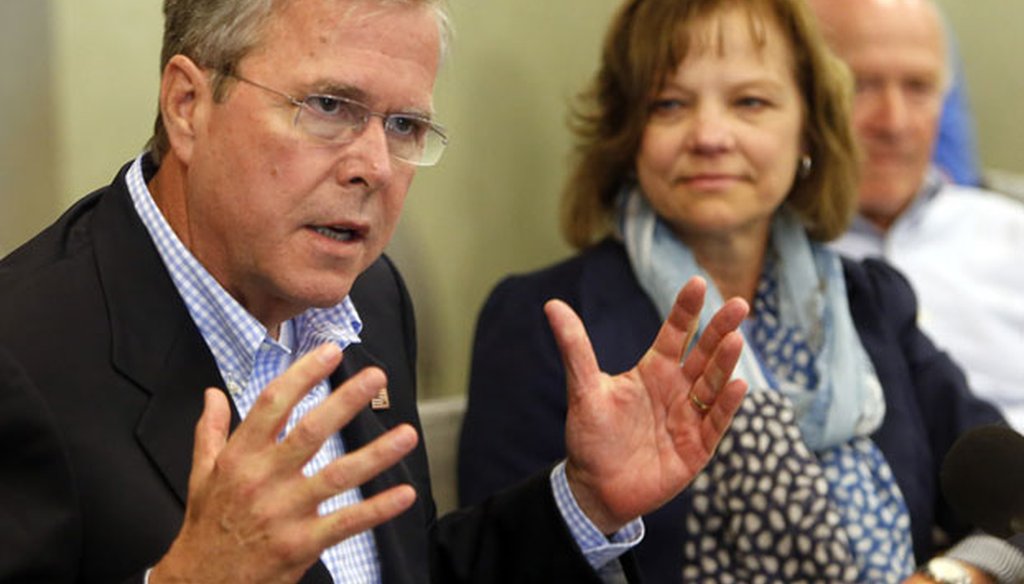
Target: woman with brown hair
{"x": 716, "y": 142}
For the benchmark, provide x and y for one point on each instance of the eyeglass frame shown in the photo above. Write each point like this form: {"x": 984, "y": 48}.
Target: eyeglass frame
{"x": 364, "y": 114}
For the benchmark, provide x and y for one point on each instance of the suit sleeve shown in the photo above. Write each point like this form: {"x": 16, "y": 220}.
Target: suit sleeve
{"x": 38, "y": 518}
{"x": 516, "y": 535}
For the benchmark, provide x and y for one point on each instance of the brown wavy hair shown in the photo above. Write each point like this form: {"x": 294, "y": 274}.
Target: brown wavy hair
{"x": 646, "y": 42}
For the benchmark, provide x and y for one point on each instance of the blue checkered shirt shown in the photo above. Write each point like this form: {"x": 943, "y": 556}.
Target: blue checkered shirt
{"x": 248, "y": 358}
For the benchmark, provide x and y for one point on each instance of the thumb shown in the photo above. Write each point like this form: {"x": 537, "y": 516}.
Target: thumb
{"x": 211, "y": 435}
{"x": 574, "y": 345}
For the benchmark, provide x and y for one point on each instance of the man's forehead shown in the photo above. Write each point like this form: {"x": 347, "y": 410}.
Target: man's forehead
{"x": 354, "y": 48}
{"x": 871, "y": 28}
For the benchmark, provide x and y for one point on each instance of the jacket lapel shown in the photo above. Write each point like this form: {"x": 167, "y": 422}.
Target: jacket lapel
{"x": 154, "y": 341}
{"x": 156, "y": 344}
{"x": 400, "y": 537}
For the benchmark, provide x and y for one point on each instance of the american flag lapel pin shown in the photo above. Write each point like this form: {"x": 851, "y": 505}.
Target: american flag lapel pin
{"x": 381, "y": 401}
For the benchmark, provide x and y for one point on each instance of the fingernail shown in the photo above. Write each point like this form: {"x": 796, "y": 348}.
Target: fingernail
{"x": 404, "y": 441}
{"x": 375, "y": 380}
{"x": 404, "y": 497}
{"x": 328, "y": 352}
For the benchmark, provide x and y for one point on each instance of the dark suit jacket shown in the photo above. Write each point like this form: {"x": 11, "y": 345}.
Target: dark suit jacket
{"x": 100, "y": 389}
{"x": 515, "y": 420}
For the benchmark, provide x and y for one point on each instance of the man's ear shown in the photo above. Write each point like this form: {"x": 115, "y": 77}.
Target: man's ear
{"x": 185, "y": 98}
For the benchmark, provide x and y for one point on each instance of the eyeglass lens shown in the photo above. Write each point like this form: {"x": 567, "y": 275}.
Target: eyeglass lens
{"x": 409, "y": 138}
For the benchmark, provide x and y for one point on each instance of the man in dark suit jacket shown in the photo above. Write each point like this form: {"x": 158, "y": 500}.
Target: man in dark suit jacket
{"x": 117, "y": 467}
{"x": 102, "y": 388}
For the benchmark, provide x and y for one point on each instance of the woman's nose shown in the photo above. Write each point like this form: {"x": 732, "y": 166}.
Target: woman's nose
{"x": 710, "y": 131}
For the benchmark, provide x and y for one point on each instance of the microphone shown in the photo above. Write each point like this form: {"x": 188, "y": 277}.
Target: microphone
{"x": 983, "y": 479}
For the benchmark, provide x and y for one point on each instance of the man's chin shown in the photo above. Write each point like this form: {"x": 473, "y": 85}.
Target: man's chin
{"x": 327, "y": 298}
{"x": 890, "y": 189}
{"x": 882, "y": 206}
{"x": 320, "y": 292}
{"x": 320, "y": 286}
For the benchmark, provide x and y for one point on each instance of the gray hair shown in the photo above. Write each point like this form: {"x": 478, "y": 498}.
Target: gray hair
{"x": 217, "y": 34}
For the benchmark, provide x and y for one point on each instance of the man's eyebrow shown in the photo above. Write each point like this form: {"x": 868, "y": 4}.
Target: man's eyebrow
{"x": 355, "y": 93}
{"x": 337, "y": 90}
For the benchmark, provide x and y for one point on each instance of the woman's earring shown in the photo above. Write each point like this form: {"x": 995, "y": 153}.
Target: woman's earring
{"x": 805, "y": 166}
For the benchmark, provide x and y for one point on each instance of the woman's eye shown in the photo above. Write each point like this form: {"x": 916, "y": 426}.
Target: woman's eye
{"x": 752, "y": 102}
{"x": 667, "y": 108}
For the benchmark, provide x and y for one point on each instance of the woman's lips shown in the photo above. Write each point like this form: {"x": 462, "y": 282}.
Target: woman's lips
{"x": 710, "y": 181}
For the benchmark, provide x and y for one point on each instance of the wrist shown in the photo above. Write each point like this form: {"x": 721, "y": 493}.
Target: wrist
{"x": 943, "y": 570}
{"x": 1001, "y": 561}
{"x": 590, "y": 503}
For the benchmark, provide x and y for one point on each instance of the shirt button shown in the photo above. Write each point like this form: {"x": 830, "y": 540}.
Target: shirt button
{"x": 233, "y": 387}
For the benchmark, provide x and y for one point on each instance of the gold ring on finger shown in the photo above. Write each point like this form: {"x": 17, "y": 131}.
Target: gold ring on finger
{"x": 698, "y": 403}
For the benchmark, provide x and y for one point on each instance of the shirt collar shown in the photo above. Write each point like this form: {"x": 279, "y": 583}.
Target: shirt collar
{"x": 233, "y": 335}
{"x": 930, "y": 188}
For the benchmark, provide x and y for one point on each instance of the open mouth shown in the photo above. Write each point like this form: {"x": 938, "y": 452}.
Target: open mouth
{"x": 342, "y": 234}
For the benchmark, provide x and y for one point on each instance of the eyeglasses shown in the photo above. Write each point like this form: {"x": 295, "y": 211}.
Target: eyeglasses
{"x": 411, "y": 138}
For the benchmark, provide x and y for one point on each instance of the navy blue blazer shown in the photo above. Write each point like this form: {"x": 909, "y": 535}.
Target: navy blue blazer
{"x": 515, "y": 421}
{"x": 102, "y": 372}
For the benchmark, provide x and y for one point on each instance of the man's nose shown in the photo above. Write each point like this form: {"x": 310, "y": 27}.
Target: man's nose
{"x": 891, "y": 112}
{"x": 367, "y": 158}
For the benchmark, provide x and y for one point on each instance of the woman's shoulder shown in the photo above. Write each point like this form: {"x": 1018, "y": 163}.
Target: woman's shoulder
{"x": 606, "y": 255}
{"x": 603, "y": 267}
{"x": 598, "y": 283}
{"x": 874, "y": 284}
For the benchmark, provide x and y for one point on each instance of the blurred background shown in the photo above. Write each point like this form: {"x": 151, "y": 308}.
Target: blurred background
{"x": 78, "y": 84}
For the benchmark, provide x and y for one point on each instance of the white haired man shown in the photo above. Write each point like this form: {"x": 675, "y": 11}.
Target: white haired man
{"x": 960, "y": 247}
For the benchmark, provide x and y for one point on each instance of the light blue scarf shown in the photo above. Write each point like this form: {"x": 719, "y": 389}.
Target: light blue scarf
{"x": 848, "y": 401}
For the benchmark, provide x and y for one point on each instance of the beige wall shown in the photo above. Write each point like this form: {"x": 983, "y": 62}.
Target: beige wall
{"x": 78, "y": 96}
{"x": 77, "y": 99}
{"x": 491, "y": 207}
{"x": 107, "y": 55}
{"x": 991, "y": 43}
{"x": 27, "y": 127}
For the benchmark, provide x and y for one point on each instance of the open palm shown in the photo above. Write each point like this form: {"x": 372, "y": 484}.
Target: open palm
{"x": 637, "y": 439}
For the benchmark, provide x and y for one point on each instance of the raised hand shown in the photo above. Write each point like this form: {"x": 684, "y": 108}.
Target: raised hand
{"x": 251, "y": 514}
{"x": 637, "y": 439}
